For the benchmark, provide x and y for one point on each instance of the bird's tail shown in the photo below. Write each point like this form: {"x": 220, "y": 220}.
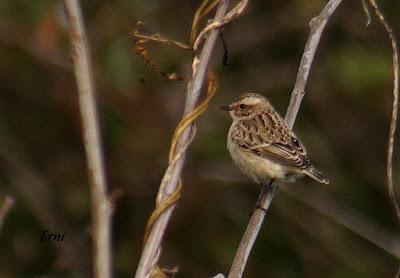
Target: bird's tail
{"x": 316, "y": 175}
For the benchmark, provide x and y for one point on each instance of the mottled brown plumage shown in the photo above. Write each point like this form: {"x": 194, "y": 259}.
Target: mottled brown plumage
{"x": 263, "y": 146}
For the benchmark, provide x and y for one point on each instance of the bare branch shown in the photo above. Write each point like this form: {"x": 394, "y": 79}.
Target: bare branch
{"x": 5, "y": 208}
{"x": 317, "y": 26}
{"x": 100, "y": 204}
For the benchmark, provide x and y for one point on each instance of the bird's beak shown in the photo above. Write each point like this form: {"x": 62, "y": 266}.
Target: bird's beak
{"x": 225, "y": 107}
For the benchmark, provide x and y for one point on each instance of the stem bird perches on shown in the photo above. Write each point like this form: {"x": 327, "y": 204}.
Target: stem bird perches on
{"x": 100, "y": 204}
{"x": 169, "y": 191}
{"x": 317, "y": 25}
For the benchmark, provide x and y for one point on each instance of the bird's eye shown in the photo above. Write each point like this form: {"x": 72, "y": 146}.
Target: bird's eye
{"x": 296, "y": 142}
{"x": 242, "y": 106}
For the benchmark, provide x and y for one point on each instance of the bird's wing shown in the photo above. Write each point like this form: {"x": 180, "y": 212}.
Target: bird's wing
{"x": 277, "y": 144}
{"x": 283, "y": 153}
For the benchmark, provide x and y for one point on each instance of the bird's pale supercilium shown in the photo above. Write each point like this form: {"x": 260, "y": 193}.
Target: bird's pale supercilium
{"x": 262, "y": 145}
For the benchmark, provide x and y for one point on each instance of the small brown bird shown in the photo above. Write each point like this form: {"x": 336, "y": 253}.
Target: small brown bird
{"x": 261, "y": 144}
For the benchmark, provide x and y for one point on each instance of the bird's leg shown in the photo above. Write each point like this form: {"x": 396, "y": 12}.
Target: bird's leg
{"x": 265, "y": 187}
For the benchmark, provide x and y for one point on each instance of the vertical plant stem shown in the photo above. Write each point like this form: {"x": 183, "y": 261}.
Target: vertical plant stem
{"x": 100, "y": 205}
{"x": 152, "y": 248}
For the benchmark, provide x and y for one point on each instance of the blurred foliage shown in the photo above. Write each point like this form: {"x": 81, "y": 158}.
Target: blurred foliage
{"x": 343, "y": 122}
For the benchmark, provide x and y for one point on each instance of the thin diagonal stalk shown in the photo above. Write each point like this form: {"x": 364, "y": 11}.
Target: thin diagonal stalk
{"x": 317, "y": 26}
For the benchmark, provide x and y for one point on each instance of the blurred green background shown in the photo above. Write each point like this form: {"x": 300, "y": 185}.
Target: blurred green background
{"x": 343, "y": 121}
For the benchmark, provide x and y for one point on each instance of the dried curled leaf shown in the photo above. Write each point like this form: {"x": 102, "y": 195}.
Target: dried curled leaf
{"x": 205, "y": 8}
{"x": 139, "y": 46}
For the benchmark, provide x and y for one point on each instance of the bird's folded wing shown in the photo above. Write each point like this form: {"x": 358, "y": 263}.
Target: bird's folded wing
{"x": 281, "y": 153}
{"x": 291, "y": 154}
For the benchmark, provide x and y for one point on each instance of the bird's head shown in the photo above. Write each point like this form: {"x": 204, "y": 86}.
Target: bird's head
{"x": 246, "y": 105}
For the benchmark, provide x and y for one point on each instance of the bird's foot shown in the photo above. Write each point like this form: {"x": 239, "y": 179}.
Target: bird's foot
{"x": 264, "y": 188}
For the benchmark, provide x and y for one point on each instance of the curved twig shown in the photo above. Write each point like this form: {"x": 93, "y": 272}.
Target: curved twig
{"x": 393, "y": 120}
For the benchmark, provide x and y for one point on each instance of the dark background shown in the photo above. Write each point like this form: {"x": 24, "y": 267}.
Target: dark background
{"x": 343, "y": 121}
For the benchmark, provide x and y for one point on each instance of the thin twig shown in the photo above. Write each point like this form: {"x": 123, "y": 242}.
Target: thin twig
{"x": 5, "y": 208}
{"x": 152, "y": 248}
{"x": 317, "y": 26}
{"x": 160, "y": 39}
{"x": 366, "y": 12}
{"x": 250, "y": 235}
{"x": 348, "y": 218}
{"x": 393, "y": 121}
{"x": 232, "y": 14}
{"x": 100, "y": 204}
{"x": 204, "y": 9}
{"x": 327, "y": 206}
